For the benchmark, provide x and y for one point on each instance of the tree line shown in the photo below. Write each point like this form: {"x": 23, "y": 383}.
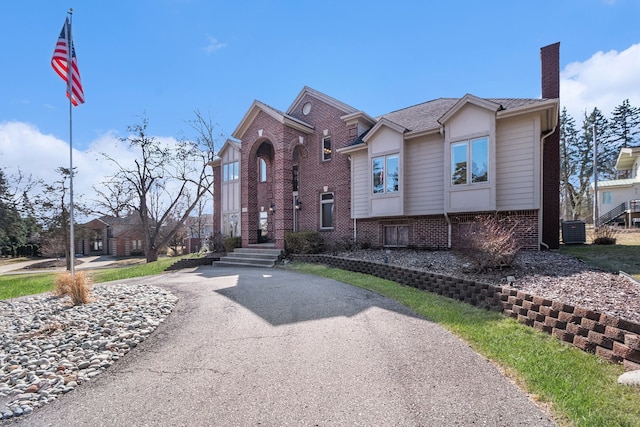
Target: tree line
{"x": 161, "y": 186}
{"x": 621, "y": 129}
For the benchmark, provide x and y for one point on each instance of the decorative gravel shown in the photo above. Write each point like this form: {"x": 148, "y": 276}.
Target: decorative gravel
{"x": 546, "y": 274}
{"x": 48, "y": 346}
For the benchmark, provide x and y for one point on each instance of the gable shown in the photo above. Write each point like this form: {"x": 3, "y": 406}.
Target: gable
{"x": 470, "y": 119}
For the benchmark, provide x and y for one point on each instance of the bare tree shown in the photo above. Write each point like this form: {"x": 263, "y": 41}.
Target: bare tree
{"x": 166, "y": 181}
{"x": 55, "y": 204}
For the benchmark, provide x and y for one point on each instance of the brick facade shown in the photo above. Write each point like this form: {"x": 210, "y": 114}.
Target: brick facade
{"x": 283, "y": 140}
{"x": 275, "y": 142}
{"x": 550, "y": 60}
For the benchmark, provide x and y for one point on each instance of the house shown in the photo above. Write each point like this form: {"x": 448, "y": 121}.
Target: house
{"x": 109, "y": 235}
{"x": 413, "y": 177}
{"x": 197, "y": 230}
{"x": 619, "y": 199}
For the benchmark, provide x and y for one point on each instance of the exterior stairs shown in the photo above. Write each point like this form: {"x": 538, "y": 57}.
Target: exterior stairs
{"x": 250, "y": 257}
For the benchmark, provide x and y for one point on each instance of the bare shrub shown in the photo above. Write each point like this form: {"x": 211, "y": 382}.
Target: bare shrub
{"x": 490, "y": 242}
{"x": 604, "y": 235}
{"x": 77, "y": 287}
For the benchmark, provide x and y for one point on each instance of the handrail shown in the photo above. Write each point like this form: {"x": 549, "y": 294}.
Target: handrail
{"x": 613, "y": 214}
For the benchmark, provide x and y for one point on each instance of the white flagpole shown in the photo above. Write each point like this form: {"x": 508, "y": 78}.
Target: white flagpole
{"x": 70, "y": 91}
{"x": 596, "y": 211}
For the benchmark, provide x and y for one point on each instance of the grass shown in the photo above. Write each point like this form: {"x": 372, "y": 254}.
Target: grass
{"x": 17, "y": 285}
{"x": 580, "y": 388}
{"x": 623, "y": 256}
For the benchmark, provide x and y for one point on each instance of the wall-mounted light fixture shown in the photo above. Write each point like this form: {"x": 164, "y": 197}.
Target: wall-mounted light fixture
{"x": 272, "y": 208}
{"x": 298, "y": 205}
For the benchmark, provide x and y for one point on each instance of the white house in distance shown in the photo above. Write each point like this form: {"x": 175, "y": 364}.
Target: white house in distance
{"x": 619, "y": 199}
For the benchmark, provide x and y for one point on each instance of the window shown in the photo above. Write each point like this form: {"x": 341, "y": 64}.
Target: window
{"x": 475, "y": 153}
{"x": 295, "y": 177}
{"x": 230, "y": 224}
{"x": 136, "y": 244}
{"x": 326, "y": 210}
{"x": 396, "y": 235}
{"x": 96, "y": 241}
{"x": 606, "y": 198}
{"x": 230, "y": 171}
{"x": 263, "y": 170}
{"x": 385, "y": 174}
{"x": 326, "y": 148}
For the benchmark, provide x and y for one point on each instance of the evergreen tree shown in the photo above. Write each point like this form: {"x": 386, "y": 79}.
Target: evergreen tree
{"x": 625, "y": 124}
{"x": 568, "y": 164}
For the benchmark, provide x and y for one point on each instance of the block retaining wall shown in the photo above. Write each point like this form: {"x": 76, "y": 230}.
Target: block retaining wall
{"x": 614, "y": 339}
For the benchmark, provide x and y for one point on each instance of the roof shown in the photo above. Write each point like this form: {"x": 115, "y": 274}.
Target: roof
{"x": 278, "y": 115}
{"x": 618, "y": 183}
{"x": 627, "y": 158}
{"x": 426, "y": 116}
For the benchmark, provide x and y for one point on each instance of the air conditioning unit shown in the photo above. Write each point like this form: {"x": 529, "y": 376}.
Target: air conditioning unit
{"x": 574, "y": 233}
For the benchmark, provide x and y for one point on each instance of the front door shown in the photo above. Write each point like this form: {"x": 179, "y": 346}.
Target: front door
{"x": 263, "y": 227}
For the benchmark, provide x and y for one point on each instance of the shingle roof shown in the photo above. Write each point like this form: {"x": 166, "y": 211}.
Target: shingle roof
{"x": 425, "y": 116}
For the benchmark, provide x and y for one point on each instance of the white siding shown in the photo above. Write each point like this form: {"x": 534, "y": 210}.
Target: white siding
{"x": 517, "y": 164}
{"x": 424, "y": 192}
{"x": 360, "y": 184}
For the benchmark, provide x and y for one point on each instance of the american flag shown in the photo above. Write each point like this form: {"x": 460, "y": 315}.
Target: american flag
{"x": 59, "y": 62}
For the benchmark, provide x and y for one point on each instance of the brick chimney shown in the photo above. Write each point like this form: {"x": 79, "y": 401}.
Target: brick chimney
{"x": 550, "y": 62}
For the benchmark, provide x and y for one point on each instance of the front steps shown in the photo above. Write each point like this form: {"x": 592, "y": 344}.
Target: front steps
{"x": 250, "y": 257}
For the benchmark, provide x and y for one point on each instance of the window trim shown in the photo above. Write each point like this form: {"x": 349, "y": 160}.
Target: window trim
{"x": 323, "y": 202}
{"x": 327, "y": 154}
{"x": 385, "y": 158}
{"x": 468, "y": 177}
{"x": 231, "y": 171}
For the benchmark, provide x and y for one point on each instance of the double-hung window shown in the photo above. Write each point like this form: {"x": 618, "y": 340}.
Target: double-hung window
{"x": 470, "y": 161}
{"x": 230, "y": 171}
{"x": 386, "y": 176}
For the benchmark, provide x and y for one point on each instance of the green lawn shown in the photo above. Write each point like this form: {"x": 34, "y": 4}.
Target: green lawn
{"x": 612, "y": 258}
{"x": 580, "y": 388}
{"x": 17, "y": 285}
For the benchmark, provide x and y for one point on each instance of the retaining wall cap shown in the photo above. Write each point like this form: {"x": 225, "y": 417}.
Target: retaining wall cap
{"x": 630, "y": 378}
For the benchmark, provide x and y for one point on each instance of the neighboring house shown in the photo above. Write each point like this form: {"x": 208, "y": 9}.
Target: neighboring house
{"x": 413, "y": 177}
{"x": 197, "y": 230}
{"x": 619, "y": 199}
{"x": 110, "y": 235}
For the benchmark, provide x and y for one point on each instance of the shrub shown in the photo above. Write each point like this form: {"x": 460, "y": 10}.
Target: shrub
{"x": 230, "y": 243}
{"x": 490, "y": 242}
{"x": 216, "y": 243}
{"x": 604, "y": 235}
{"x": 76, "y": 287}
{"x": 303, "y": 242}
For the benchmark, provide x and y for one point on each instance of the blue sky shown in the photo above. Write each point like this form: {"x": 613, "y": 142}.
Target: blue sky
{"x": 167, "y": 58}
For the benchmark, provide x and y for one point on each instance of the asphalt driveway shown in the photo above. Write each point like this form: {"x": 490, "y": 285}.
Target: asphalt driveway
{"x": 272, "y": 347}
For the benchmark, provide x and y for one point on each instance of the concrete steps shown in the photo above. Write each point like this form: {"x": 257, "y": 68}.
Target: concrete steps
{"x": 250, "y": 257}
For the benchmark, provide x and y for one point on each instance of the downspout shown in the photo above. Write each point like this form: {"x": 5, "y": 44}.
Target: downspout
{"x": 446, "y": 215}
{"x": 355, "y": 230}
{"x": 544, "y": 136}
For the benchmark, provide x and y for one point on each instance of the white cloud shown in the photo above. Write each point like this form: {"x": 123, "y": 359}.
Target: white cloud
{"x": 23, "y": 147}
{"x": 213, "y": 45}
{"x": 604, "y": 81}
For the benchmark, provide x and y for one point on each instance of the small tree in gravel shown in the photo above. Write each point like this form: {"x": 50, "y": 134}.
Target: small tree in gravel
{"x": 490, "y": 242}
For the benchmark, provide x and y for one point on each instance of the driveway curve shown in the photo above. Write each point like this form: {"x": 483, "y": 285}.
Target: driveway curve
{"x": 272, "y": 347}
